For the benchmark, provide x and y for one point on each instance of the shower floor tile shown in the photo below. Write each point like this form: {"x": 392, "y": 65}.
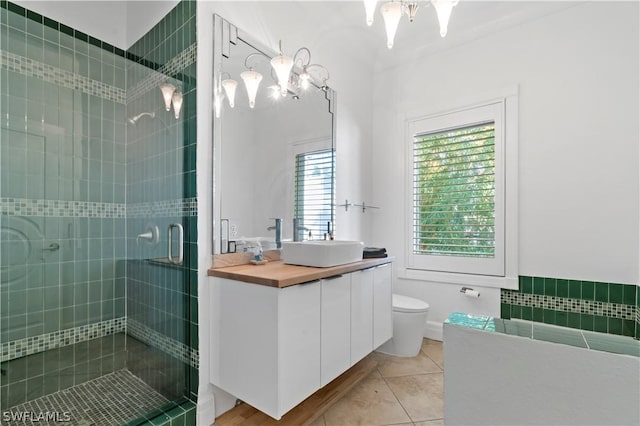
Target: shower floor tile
{"x": 114, "y": 399}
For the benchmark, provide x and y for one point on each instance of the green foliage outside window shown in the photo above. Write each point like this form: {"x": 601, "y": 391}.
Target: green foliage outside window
{"x": 454, "y": 192}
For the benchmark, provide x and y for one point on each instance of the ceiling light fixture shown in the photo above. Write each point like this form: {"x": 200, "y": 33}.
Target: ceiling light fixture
{"x": 392, "y": 12}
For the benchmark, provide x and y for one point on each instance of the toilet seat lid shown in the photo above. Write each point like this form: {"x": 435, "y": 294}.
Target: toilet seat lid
{"x": 408, "y": 304}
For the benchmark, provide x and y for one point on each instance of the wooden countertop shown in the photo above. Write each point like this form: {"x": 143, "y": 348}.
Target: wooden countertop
{"x": 278, "y": 274}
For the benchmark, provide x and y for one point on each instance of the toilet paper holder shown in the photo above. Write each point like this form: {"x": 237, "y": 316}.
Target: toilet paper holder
{"x": 468, "y": 291}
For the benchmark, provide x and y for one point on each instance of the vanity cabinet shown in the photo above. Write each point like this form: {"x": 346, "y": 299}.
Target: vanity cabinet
{"x": 273, "y": 347}
{"x": 335, "y": 337}
{"x": 382, "y": 305}
{"x": 267, "y": 345}
{"x": 361, "y": 314}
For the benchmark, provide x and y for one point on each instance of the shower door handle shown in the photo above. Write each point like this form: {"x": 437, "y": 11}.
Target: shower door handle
{"x": 177, "y": 260}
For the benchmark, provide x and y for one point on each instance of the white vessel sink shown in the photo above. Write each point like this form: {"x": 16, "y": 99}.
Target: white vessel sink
{"x": 321, "y": 253}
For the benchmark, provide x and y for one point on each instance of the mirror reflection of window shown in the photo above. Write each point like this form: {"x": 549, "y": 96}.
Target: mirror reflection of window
{"x": 314, "y": 183}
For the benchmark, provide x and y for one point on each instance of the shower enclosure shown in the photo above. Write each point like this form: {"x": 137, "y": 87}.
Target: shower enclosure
{"x": 96, "y": 203}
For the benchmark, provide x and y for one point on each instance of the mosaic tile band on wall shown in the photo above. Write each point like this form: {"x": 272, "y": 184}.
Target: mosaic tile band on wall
{"x": 68, "y": 79}
{"x": 58, "y": 339}
{"x": 172, "y": 67}
{"x": 595, "y": 306}
{"x": 60, "y": 208}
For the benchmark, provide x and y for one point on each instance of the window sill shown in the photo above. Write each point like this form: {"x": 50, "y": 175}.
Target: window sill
{"x": 453, "y": 278}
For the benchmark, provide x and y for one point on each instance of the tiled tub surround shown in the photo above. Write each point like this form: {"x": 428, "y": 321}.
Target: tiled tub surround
{"x": 521, "y": 372}
{"x": 587, "y": 305}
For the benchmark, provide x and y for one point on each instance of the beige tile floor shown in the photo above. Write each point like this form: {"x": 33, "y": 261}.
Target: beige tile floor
{"x": 401, "y": 391}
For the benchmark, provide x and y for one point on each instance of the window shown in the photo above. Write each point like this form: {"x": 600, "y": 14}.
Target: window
{"x": 457, "y": 191}
{"x": 314, "y": 182}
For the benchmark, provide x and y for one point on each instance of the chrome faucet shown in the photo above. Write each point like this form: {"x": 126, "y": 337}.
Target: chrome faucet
{"x": 278, "y": 229}
{"x": 297, "y": 228}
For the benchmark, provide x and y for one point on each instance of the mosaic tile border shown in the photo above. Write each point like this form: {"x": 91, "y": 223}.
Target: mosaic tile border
{"x": 565, "y": 304}
{"x": 60, "y": 208}
{"x": 167, "y": 345}
{"x": 176, "y": 64}
{"x": 58, "y": 339}
{"x": 165, "y": 208}
{"x": 30, "y": 68}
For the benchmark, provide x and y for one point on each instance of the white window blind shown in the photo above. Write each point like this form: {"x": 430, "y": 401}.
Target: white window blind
{"x": 456, "y": 188}
{"x": 314, "y": 182}
{"x": 454, "y": 192}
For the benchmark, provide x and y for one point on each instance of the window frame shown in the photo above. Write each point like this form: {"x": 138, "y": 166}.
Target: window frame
{"x": 501, "y": 271}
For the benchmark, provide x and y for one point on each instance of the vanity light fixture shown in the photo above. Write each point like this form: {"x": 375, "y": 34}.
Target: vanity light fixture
{"x": 251, "y": 80}
{"x": 292, "y": 75}
{"x": 176, "y": 101}
{"x": 282, "y": 65}
{"x": 167, "y": 90}
{"x": 392, "y": 12}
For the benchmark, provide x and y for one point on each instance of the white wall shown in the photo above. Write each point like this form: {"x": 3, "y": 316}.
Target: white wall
{"x": 577, "y": 73}
{"x": 269, "y": 22}
{"x": 119, "y": 23}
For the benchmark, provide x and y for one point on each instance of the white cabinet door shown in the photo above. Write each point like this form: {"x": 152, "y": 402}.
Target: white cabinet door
{"x": 335, "y": 332}
{"x": 361, "y": 314}
{"x": 298, "y": 344}
{"x": 382, "y": 315}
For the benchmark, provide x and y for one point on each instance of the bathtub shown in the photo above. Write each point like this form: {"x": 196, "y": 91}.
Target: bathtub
{"x": 515, "y": 372}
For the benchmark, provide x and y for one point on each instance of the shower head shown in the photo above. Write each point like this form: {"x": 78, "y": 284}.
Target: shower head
{"x": 133, "y": 120}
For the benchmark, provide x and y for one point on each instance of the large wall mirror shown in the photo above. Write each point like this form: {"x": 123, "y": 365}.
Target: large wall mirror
{"x": 273, "y": 160}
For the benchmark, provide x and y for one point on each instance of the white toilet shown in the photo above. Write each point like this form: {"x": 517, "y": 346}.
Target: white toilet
{"x": 409, "y": 321}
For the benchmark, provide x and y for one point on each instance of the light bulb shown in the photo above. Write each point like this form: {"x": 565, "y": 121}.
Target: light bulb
{"x": 176, "y": 100}
{"x": 282, "y": 66}
{"x": 391, "y": 12}
{"x": 443, "y": 9}
{"x": 167, "y": 90}
{"x": 370, "y": 8}
{"x": 305, "y": 79}
{"x": 229, "y": 86}
{"x": 251, "y": 80}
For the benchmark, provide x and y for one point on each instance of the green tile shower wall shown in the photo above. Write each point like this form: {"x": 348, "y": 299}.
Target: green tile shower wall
{"x": 595, "y": 306}
{"x": 163, "y": 173}
{"x": 62, "y": 140}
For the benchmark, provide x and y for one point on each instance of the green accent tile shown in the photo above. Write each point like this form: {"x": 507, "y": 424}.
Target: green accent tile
{"x": 562, "y": 288}
{"x": 66, "y": 30}
{"x": 562, "y": 318}
{"x": 178, "y": 420}
{"x": 615, "y": 326}
{"x": 81, "y": 36}
{"x": 629, "y": 294}
{"x": 588, "y": 292}
{"x": 628, "y": 328}
{"x": 600, "y": 324}
{"x": 16, "y": 9}
{"x": 34, "y": 16}
{"x": 193, "y": 336}
{"x": 527, "y": 313}
{"x": 615, "y": 293}
{"x": 516, "y": 311}
{"x": 586, "y": 322}
{"x": 526, "y": 285}
{"x": 191, "y": 418}
{"x": 575, "y": 289}
{"x": 51, "y": 23}
{"x": 549, "y": 286}
{"x": 573, "y": 320}
{"x": 549, "y": 316}
{"x": 601, "y": 292}
{"x": 538, "y": 314}
{"x": 95, "y": 42}
{"x": 538, "y": 285}
{"x": 505, "y": 311}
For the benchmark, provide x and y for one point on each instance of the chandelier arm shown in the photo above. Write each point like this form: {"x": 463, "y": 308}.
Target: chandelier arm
{"x": 258, "y": 54}
{"x": 298, "y": 57}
